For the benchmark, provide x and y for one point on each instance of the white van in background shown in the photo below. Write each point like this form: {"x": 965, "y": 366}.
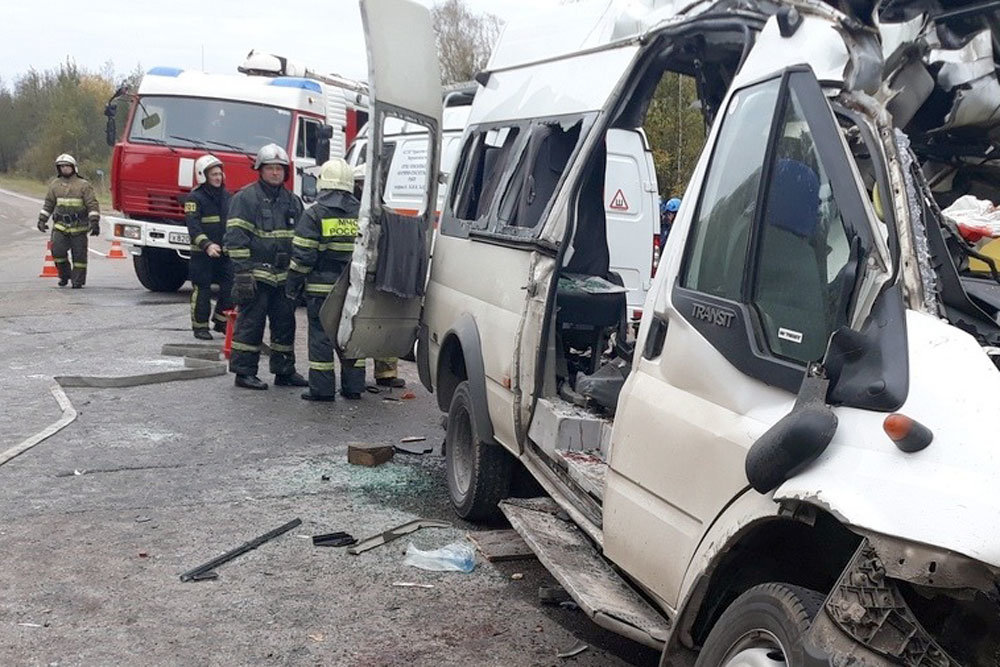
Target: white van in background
{"x": 631, "y": 202}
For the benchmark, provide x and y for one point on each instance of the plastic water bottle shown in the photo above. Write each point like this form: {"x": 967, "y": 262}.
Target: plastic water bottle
{"x": 454, "y": 557}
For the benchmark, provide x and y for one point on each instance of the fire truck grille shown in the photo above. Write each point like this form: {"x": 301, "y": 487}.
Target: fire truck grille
{"x": 157, "y": 203}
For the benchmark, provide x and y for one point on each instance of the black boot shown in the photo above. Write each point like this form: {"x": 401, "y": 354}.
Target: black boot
{"x": 309, "y": 396}
{"x": 77, "y": 285}
{"x": 395, "y": 383}
{"x": 63, "y": 282}
{"x": 290, "y": 380}
{"x": 202, "y": 334}
{"x": 351, "y": 395}
{"x": 250, "y": 382}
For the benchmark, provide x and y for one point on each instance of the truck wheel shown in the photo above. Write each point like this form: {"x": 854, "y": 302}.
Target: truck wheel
{"x": 478, "y": 472}
{"x": 160, "y": 270}
{"x": 764, "y": 627}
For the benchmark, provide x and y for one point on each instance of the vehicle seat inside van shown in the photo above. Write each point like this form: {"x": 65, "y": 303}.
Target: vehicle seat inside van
{"x": 590, "y": 299}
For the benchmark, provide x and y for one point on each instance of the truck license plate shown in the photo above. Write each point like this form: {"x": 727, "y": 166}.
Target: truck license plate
{"x": 179, "y": 237}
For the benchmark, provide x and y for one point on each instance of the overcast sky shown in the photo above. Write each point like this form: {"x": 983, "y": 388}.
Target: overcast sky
{"x": 324, "y": 35}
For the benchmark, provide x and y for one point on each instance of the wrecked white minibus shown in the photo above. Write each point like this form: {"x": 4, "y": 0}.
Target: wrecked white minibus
{"x": 796, "y": 464}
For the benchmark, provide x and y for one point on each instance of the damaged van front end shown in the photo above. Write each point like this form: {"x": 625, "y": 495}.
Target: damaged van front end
{"x": 915, "y": 478}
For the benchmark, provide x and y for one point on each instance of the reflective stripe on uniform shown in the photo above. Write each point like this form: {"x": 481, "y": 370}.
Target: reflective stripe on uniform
{"x": 275, "y": 234}
{"x": 71, "y": 229}
{"x": 243, "y": 347}
{"x": 322, "y": 366}
{"x": 269, "y": 277}
{"x": 219, "y": 317}
{"x": 70, "y": 202}
{"x": 60, "y": 260}
{"x": 45, "y": 214}
{"x": 278, "y": 347}
{"x": 339, "y": 227}
{"x": 198, "y": 239}
{"x": 238, "y": 253}
{"x": 318, "y": 288}
{"x": 359, "y": 363}
{"x": 347, "y": 246}
{"x": 304, "y": 242}
{"x": 210, "y": 218}
{"x": 295, "y": 266}
{"x": 79, "y": 265}
{"x": 94, "y": 215}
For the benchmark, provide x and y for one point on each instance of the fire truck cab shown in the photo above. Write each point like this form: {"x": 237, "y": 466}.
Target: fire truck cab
{"x": 177, "y": 115}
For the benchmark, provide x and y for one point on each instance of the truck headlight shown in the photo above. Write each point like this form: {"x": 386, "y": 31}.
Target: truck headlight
{"x": 128, "y": 231}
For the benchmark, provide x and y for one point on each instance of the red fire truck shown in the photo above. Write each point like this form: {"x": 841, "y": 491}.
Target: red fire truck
{"x": 177, "y": 116}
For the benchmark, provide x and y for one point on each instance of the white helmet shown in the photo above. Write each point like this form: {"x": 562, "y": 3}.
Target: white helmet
{"x": 336, "y": 174}
{"x": 271, "y": 154}
{"x": 203, "y": 164}
{"x": 66, "y": 158}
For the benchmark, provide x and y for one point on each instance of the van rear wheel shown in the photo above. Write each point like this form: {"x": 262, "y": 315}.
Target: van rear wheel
{"x": 478, "y": 473}
{"x": 764, "y": 627}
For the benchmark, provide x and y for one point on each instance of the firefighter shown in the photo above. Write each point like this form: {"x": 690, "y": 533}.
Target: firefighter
{"x": 386, "y": 370}
{"x": 258, "y": 240}
{"x": 321, "y": 251}
{"x": 205, "y": 211}
{"x": 74, "y": 209}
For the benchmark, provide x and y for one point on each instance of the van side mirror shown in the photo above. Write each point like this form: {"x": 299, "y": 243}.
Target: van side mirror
{"x": 308, "y": 187}
{"x": 323, "y": 136}
{"x": 150, "y": 121}
{"x": 796, "y": 439}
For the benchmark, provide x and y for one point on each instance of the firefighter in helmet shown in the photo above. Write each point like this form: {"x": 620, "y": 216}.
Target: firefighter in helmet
{"x": 321, "y": 251}
{"x": 73, "y": 207}
{"x": 258, "y": 240}
{"x": 205, "y": 212}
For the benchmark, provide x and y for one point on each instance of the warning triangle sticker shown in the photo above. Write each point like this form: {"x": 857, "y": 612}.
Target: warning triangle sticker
{"x": 618, "y": 202}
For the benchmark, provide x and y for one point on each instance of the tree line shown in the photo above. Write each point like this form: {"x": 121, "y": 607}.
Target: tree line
{"x": 43, "y": 114}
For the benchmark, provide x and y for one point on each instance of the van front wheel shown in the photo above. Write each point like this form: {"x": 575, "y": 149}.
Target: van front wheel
{"x": 764, "y": 627}
{"x": 478, "y": 473}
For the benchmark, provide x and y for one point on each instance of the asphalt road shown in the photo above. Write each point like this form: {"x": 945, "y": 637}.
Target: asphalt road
{"x": 98, "y": 521}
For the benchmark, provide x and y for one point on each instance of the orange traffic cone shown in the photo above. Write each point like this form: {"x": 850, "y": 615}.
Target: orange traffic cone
{"x": 48, "y": 264}
{"x": 116, "y": 251}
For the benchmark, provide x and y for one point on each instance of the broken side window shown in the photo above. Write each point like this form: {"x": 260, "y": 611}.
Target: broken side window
{"x": 538, "y": 173}
{"x": 486, "y": 157}
{"x": 717, "y": 245}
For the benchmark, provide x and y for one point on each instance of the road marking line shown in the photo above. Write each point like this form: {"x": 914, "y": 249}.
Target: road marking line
{"x": 20, "y": 196}
{"x": 68, "y": 415}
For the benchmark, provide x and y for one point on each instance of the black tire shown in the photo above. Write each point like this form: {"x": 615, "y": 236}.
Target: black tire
{"x": 769, "y": 616}
{"x": 478, "y": 473}
{"x": 160, "y": 270}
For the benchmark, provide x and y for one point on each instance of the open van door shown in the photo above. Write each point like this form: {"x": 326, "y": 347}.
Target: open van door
{"x": 382, "y": 295}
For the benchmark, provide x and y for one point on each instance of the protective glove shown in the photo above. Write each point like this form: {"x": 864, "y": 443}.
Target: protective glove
{"x": 95, "y": 228}
{"x": 43, "y": 226}
{"x": 294, "y": 285}
{"x": 244, "y": 289}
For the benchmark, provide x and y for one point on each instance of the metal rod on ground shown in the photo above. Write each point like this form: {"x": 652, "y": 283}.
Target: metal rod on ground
{"x": 198, "y": 572}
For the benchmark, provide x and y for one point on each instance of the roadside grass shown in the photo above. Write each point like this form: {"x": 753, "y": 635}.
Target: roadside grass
{"x": 32, "y": 187}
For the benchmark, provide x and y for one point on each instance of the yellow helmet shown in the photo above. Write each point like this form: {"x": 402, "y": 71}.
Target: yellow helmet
{"x": 336, "y": 174}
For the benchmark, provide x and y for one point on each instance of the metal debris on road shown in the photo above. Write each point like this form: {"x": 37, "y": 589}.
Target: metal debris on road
{"x": 517, "y": 576}
{"x": 318, "y": 637}
{"x": 142, "y": 519}
{"x": 413, "y": 438}
{"x": 31, "y": 625}
{"x": 576, "y": 649}
{"x": 418, "y": 450}
{"x": 410, "y": 584}
{"x": 394, "y": 534}
{"x": 203, "y": 572}
{"x": 337, "y": 539}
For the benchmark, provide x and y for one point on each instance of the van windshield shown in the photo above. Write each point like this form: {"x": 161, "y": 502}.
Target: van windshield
{"x": 217, "y": 123}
